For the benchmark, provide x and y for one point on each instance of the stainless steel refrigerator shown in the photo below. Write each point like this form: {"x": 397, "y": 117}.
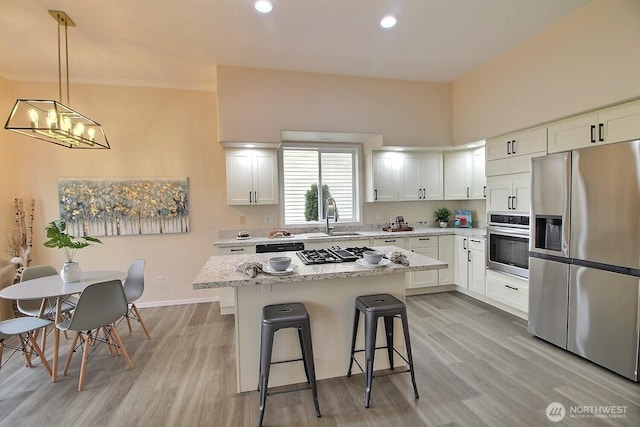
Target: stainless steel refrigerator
{"x": 584, "y": 265}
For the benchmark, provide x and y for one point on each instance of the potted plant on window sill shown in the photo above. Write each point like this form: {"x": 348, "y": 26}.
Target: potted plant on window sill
{"x": 442, "y": 216}
{"x": 58, "y": 238}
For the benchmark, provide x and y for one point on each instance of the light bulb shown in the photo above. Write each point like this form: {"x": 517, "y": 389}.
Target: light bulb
{"x": 52, "y": 119}
{"x": 33, "y": 115}
{"x": 92, "y": 134}
{"x": 78, "y": 130}
{"x": 263, "y": 6}
{"x": 388, "y": 21}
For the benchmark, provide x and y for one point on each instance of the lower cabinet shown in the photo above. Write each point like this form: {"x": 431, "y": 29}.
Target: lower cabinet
{"x": 509, "y": 290}
{"x": 427, "y": 246}
{"x": 470, "y": 263}
{"x": 227, "y": 295}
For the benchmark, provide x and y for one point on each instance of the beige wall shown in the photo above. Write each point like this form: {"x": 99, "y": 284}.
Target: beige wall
{"x": 586, "y": 61}
{"x": 153, "y": 133}
{"x": 256, "y": 104}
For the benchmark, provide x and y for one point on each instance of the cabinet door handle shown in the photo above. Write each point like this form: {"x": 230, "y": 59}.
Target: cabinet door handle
{"x": 467, "y": 192}
{"x": 509, "y": 203}
{"x": 375, "y": 194}
{"x": 424, "y": 193}
{"x": 464, "y": 244}
{"x": 513, "y": 147}
{"x": 475, "y": 241}
{"x": 484, "y": 191}
{"x": 514, "y": 202}
{"x": 593, "y": 134}
{"x": 468, "y": 256}
{"x": 508, "y": 147}
{"x": 250, "y": 197}
{"x": 255, "y": 197}
{"x": 511, "y": 287}
{"x": 600, "y": 132}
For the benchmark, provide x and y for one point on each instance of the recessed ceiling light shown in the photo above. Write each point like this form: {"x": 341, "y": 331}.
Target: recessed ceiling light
{"x": 263, "y": 6}
{"x": 388, "y": 21}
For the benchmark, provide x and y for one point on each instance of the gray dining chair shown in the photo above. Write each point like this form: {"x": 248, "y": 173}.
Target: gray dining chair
{"x": 133, "y": 289}
{"x": 32, "y": 307}
{"x": 23, "y": 329}
{"x": 99, "y": 306}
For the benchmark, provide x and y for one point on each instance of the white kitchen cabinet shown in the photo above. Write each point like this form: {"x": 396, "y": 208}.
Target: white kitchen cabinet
{"x": 228, "y": 295}
{"x": 385, "y": 181}
{"x": 507, "y": 289}
{"x": 615, "y": 124}
{"x": 446, "y": 253}
{"x": 470, "y": 263}
{"x": 406, "y": 176}
{"x": 509, "y": 193}
{"x": 427, "y": 246}
{"x": 517, "y": 144}
{"x": 421, "y": 176}
{"x": 388, "y": 241}
{"x": 252, "y": 176}
{"x": 464, "y": 176}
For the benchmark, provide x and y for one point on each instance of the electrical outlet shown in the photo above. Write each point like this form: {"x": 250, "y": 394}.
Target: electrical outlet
{"x": 160, "y": 280}
{"x": 266, "y": 288}
{"x": 268, "y": 219}
{"x": 379, "y": 215}
{"x": 243, "y": 219}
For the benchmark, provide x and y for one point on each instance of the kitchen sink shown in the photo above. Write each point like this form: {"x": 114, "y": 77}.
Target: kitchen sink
{"x": 332, "y": 234}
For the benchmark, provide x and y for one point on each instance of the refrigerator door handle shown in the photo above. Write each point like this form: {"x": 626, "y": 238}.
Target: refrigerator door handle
{"x": 601, "y": 132}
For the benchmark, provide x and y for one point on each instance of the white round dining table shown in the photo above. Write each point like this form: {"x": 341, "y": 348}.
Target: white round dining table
{"x": 54, "y": 287}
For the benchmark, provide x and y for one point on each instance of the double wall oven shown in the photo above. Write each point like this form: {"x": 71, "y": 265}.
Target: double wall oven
{"x": 508, "y": 243}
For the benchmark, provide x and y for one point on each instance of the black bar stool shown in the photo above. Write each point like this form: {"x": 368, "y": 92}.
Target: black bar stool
{"x": 281, "y": 316}
{"x": 373, "y": 307}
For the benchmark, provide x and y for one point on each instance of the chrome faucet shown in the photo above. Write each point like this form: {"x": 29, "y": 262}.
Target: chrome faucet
{"x": 330, "y": 206}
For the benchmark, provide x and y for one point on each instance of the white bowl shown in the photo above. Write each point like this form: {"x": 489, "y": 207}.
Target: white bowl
{"x": 280, "y": 263}
{"x": 372, "y": 257}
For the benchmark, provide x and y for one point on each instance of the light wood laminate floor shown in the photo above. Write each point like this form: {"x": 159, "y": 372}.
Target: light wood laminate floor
{"x": 475, "y": 365}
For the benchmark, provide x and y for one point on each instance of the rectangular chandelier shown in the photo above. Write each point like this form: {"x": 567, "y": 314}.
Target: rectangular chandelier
{"x": 52, "y": 121}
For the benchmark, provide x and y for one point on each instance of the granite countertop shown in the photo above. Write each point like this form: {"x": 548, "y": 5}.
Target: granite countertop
{"x": 220, "y": 270}
{"x": 316, "y": 237}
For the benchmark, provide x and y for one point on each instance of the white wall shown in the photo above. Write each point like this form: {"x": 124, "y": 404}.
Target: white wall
{"x": 588, "y": 60}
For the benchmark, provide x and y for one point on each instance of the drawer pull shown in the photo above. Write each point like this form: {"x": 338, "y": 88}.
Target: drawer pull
{"x": 424, "y": 238}
{"x": 389, "y": 241}
{"x": 511, "y": 287}
{"x": 237, "y": 250}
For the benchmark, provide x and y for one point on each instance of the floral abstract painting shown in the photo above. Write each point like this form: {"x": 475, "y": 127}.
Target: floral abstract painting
{"x": 124, "y": 206}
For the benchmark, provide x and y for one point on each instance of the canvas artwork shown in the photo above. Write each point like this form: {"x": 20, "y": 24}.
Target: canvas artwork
{"x": 124, "y": 206}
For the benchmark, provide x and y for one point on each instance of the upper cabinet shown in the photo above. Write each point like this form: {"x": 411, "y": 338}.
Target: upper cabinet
{"x": 464, "y": 175}
{"x": 405, "y": 176}
{"x": 252, "y": 176}
{"x": 512, "y": 153}
{"x": 615, "y": 124}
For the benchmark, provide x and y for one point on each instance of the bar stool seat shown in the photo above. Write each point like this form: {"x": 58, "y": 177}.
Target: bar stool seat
{"x": 373, "y": 307}
{"x": 274, "y": 318}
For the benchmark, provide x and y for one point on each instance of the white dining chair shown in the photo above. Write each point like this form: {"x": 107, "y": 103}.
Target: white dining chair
{"x": 100, "y": 305}
{"x": 23, "y": 329}
{"x": 133, "y": 289}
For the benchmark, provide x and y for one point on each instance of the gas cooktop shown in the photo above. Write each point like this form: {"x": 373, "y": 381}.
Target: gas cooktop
{"x": 331, "y": 255}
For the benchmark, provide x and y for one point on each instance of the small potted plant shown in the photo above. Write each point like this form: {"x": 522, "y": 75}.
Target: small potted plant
{"x": 442, "y": 216}
{"x": 58, "y": 238}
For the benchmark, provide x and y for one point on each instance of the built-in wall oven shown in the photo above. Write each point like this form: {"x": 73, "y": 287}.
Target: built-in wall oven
{"x": 508, "y": 243}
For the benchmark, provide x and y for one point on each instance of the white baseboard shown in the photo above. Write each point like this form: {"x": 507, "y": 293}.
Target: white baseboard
{"x": 177, "y": 302}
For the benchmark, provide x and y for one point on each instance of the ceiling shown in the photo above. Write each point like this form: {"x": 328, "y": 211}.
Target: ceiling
{"x": 177, "y": 43}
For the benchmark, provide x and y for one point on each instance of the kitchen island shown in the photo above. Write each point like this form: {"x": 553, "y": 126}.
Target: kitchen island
{"x": 328, "y": 292}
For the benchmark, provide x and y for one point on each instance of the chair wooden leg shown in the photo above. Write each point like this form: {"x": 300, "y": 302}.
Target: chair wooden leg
{"x": 126, "y": 316}
{"x": 123, "y": 351}
{"x": 135, "y": 309}
{"x": 71, "y": 350}
{"x": 85, "y": 356}
{"x": 1, "y": 350}
{"x": 36, "y": 347}
{"x": 25, "y": 350}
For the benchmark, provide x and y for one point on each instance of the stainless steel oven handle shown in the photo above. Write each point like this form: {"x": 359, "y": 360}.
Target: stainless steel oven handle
{"x": 507, "y": 231}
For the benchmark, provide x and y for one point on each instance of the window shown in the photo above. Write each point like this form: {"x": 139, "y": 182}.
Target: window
{"x": 313, "y": 174}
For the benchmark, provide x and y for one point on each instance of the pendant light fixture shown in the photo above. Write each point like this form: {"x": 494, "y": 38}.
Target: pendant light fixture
{"x": 52, "y": 121}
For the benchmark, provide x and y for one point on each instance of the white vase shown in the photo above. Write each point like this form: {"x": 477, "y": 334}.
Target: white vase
{"x": 443, "y": 224}
{"x": 70, "y": 272}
